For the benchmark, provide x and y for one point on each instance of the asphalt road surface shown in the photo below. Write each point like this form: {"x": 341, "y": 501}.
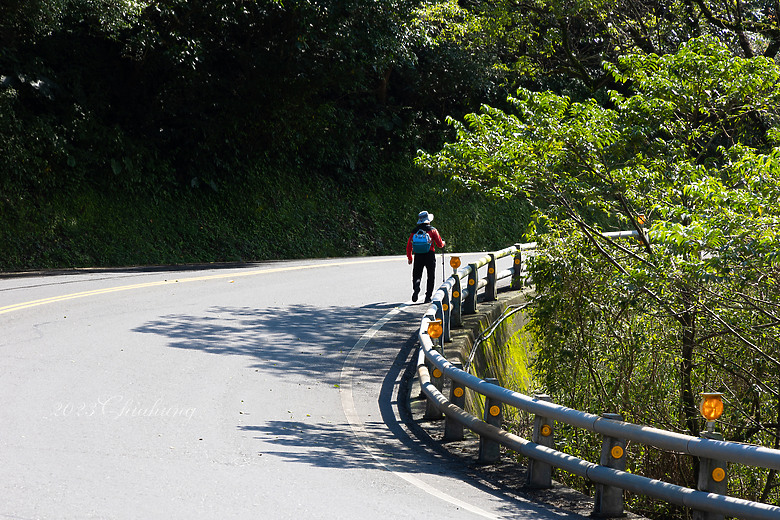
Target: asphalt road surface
{"x": 262, "y": 391}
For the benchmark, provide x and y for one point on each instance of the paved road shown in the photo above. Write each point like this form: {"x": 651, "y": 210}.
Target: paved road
{"x": 263, "y": 391}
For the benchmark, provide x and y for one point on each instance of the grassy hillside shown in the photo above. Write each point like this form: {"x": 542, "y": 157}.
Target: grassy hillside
{"x": 293, "y": 216}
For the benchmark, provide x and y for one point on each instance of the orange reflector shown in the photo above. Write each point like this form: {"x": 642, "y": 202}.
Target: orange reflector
{"x": 458, "y": 392}
{"x": 495, "y": 410}
{"x": 517, "y": 261}
{"x": 455, "y": 262}
{"x": 455, "y": 294}
{"x": 436, "y": 372}
{"x": 491, "y": 270}
{"x": 445, "y": 307}
{"x": 711, "y": 406}
{"x": 435, "y": 329}
{"x": 718, "y": 474}
{"x": 471, "y": 281}
{"x": 546, "y": 430}
{"x": 617, "y": 452}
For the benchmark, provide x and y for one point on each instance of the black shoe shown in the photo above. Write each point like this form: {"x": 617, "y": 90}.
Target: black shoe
{"x": 414, "y": 295}
{"x": 427, "y": 299}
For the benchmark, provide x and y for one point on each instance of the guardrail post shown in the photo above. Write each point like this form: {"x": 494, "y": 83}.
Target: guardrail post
{"x": 712, "y": 478}
{"x": 457, "y": 299}
{"x": 540, "y": 473}
{"x": 470, "y": 305}
{"x": 609, "y": 499}
{"x": 517, "y": 271}
{"x": 432, "y": 412}
{"x": 491, "y": 291}
{"x": 453, "y": 430}
{"x": 490, "y": 450}
{"x": 439, "y": 315}
{"x": 446, "y": 315}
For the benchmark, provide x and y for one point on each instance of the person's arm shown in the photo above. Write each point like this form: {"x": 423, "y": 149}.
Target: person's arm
{"x": 409, "y": 249}
{"x": 436, "y": 239}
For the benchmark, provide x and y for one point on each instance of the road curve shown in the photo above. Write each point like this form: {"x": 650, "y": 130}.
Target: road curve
{"x": 261, "y": 391}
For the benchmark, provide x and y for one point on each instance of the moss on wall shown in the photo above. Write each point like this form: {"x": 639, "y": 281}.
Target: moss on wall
{"x": 506, "y": 354}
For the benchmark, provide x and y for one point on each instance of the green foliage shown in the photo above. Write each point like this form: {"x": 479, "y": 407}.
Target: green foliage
{"x": 276, "y": 217}
{"x": 642, "y": 325}
{"x": 107, "y": 106}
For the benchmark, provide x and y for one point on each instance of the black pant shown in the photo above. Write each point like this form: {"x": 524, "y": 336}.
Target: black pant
{"x": 427, "y": 261}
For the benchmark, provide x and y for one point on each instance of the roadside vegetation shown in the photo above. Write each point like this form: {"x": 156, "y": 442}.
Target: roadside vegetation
{"x": 141, "y": 132}
{"x": 684, "y": 152}
{"x": 138, "y": 132}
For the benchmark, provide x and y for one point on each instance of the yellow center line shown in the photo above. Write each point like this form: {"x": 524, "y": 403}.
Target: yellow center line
{"x": 96, "y": 292}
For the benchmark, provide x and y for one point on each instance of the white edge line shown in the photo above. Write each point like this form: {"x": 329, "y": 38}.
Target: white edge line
{"x": 358, "y": 428}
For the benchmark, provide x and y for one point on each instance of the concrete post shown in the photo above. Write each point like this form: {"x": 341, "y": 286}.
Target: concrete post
{"x": 439, "y": 315}
{"x": 711, "y": 478}
{"x": 470, "y": 305}
{"x": 446, "y": 316}
{"x": 457, "y": 299}
{"x": 453, "y": 430}
{"x": 517, "y": 275}
{"x": 432, "y": 412}
{"x": 540, "y": 473}
{"x": 491, "y": 291}
{"x": 609, "y": 499}
{"x": 490, "y": 450}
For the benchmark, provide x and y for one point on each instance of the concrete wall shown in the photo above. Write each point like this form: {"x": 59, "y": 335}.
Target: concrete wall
{"x": 506, "y": 355}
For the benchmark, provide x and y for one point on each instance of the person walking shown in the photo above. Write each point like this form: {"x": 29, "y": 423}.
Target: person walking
{"x": 422, "y": 244}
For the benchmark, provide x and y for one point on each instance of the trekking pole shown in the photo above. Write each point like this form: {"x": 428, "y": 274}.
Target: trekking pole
{"x": 443, "y": 273}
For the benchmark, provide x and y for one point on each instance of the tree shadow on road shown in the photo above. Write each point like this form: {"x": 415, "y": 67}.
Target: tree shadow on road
{"x": 317, "y": 444}
{"x": 303, "y": 340}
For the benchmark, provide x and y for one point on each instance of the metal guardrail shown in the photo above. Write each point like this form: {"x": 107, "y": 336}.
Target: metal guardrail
{"x": 455, "y": 298}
